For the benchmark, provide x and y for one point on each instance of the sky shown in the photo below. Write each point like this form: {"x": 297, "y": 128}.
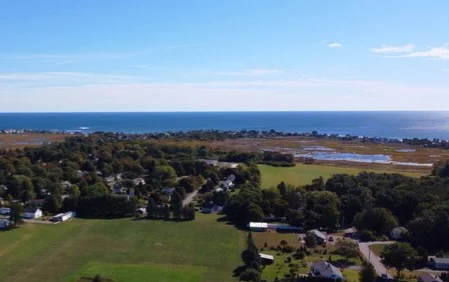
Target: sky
{"x": 234, "y": 55}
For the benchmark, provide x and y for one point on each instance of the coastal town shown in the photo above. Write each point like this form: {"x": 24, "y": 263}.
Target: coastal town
{"x": 317, "y": 230}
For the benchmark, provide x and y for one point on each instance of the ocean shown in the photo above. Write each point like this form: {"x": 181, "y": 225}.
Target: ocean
{"x": 372, "y": 124}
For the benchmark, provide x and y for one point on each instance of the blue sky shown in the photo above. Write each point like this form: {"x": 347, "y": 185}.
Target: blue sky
{"x": 58, "y": 56}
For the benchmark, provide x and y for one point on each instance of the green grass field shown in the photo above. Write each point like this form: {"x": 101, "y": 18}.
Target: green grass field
{"x": 303, "y": 174}
{"x": 123, "y": 250}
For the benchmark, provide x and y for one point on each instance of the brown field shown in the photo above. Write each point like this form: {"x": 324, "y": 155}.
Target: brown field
{"x": 13, "y": 141}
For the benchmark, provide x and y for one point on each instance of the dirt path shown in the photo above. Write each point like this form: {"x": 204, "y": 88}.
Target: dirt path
{"x": 376, "y": 261}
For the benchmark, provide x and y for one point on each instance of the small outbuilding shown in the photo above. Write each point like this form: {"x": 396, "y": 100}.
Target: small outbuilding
{"x": 266, "y": 259}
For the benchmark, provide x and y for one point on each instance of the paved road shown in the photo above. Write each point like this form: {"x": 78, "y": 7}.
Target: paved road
{"x": 189, "y": 198}
{"x": 372, "y": 258}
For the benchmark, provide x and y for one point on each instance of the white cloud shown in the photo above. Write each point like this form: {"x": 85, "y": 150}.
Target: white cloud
{"x": 394, "y": 49}
{"x": 137, "y": 94}
{"x": 445, "y": 70}
{"x": 335, "y": 45}
{"x": 64, "y": 63}
{"x": 251, "y": 72}
{"x": 433, "y": 52}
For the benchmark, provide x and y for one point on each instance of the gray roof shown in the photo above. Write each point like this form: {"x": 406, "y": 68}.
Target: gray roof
{"x": 318, "y": 234}
{"x": 326, "y": 269}
{"x": 441, "y": 260}
{"x": 427, "y": 277}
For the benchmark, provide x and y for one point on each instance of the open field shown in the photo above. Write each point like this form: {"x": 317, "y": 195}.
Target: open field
{"x": 13, "y": 141}
{"x": 303, "y": 174}
{"x": 123, "y": 250}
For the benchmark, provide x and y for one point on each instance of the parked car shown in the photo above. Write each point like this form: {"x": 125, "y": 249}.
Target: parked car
{"x": 331, "y": 239}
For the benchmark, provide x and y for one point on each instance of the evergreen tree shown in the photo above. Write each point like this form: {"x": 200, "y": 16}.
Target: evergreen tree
{"x": 176, "y": 202}
{"x": 368, "y": 273}
{"x": 151, "y": 208}
{"x": 167, "y": 212}
{"x": 15, "y": 215}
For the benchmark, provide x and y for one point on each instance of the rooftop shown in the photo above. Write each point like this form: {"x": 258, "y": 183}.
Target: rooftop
{"x": 264, "y": 256}
{"x": 427, "y": 277}
{"x": 258, "y": 225}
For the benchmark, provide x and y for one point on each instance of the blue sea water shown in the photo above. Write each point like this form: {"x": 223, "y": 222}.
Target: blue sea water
{"x": 379, "y": 124}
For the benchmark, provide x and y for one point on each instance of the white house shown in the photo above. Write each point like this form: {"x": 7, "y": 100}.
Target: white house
{"x": 327, "y": 270}
{"x": 32, "y": 213}
{"x": 397, "y": 233}
{"x": 320, "y": 237}
{"x": 258, "y": 226}
{"x": 138, "y": 181}
{"x": 266, "y": 259}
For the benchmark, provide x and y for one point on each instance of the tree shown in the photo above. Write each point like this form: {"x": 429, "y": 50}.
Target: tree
{"x": 176, "y": 202}
{"x": 378, "y": 220}
{"x": 282, "y": 188}
{"x": 188, "y": 183}
{"x": 167, "y": 212}
{"x": 368, "y": 273}
{"x": 151, "y": 208}
{"x": 251, "y": 256}
{"x": 15, "y": 215}
{"x": 52, "y": 203}
{"x": 347, "y": 248}
{"x": 250, "y": 274}
{"x": 95, "y": 190}
{"x": 75, "y": 191}
{"x": 255, "y": 213}
{"x": 295, "y": 217}
{"x": 310, "y": 240}
{"x": 398, "y": 255}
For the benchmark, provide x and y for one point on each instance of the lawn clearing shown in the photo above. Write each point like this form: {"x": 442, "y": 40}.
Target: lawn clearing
{"x": 123, "y": 250}
{"x": 303, "y": 174}
{"x": 377, "y": 248}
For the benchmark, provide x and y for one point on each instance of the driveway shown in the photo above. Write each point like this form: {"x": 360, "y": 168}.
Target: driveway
{"x": 373, "y": 259}
{"x": 189, "y": 198}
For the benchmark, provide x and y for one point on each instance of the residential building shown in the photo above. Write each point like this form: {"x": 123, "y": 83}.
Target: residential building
{"x": 142, "y": 211}
{"x": 398, "y": 233}
{"x": 32, "y": 213}
{"x": 138, "y": 181}
{"x": 351, "y": 232}
{"x": 428, "y": 277}
{"x": 168, "y": 190}
{"x": 4, "y": 223}
{"x": 326, "y": 270}
{"x": 63, "y": 217}
{"x": 320, "y": 237}
{"x": 439, "y": 263}
{"x": 5, "y": 211}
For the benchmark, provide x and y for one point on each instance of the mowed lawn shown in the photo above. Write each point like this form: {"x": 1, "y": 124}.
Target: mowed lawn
{"x": 122, "y": 249}
{"x": 303, "y": 174}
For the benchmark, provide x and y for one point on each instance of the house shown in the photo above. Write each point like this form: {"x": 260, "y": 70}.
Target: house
{"x": 320, "y": 237}
{"x": 209, "y": 162}
{"x": 168, "y": 191}
{"x": 266, "y": 259}
{"x": 4, "y": 223}
{"x": 138, "y": 181}
{"x": 284, "y": 228}
{"x": 326, "y": 270}
{"x": 142, "y": 211}
{"x": 32, "y": 213}
{"x": 66, "y": 185}
{"x": 5, "y": 211}
{"x": 350, "y": 232}
{"x": 398, "y": 233}
{"x": 428, "y": 277}
{"x": 219, "y": 190}
{"x": 258, "y": 226}
{"x": 118, "y": 188}
{"x": 439, "y": 263}
{"x": 207, "y": 207}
